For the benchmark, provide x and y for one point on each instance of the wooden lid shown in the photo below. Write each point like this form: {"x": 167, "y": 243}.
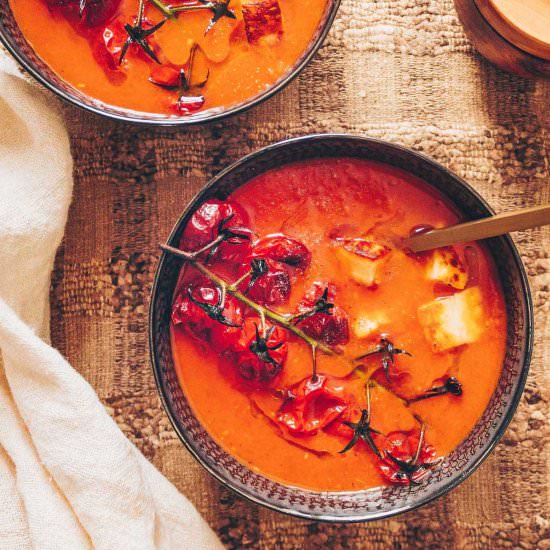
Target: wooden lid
{"x": 524, "y": 23}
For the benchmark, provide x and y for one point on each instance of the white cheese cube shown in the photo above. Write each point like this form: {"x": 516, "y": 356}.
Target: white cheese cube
{"x": 453, "y": 321}
{"x": 367, "y": 324}
{"x": 445, "y": 266}
{"x": 362, "y": 259}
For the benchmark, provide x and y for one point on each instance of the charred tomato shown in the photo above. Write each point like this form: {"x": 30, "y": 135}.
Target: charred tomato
{"x": 115, "y": 48}
{"x": 408, "y": 459}
{"x": 268, "y": 283}
{"x": 319, "y": 318}
{"x": 198, "y": 308}
{"x": 90, "y": 13}
{"x": 312, "y": 405}
{"x": 260, "y": 357}
{"x": 283, "y": 249}
{"x": 215, "y": 219}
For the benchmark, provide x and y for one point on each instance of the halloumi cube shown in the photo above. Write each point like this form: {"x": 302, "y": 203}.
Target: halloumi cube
{"x": 453, "y": 321}
{"x": 362, "y": 259}
{"x": 444, "y": 265}
{"x": 365, "y": 325}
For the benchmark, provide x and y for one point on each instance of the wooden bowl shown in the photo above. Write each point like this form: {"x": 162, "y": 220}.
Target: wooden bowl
{"x": 501, "y": 33}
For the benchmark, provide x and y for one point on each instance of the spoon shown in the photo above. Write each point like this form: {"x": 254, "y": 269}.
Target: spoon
{"x": 492, "y": 226}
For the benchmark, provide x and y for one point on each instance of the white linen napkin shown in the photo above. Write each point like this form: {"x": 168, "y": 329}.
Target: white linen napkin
{"x": 69, "y": 479}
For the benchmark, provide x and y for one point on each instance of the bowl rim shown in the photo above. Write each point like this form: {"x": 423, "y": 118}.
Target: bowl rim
{"x": 239, "y": 108}
{"x": 504, "y": 420}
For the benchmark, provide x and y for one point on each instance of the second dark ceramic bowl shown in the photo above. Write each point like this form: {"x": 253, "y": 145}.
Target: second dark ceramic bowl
{"x": 373, "y": 503}
{"x": 14, "y": 41}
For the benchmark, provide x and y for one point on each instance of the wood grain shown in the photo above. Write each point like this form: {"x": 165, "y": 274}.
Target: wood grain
{"x": 525, "y": 23}
{"x": 495, "y": 47}
{"x": 396, "y": 70}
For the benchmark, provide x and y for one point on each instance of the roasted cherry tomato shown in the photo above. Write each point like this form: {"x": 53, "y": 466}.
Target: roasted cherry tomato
{"x": 351, "y": 414}
{"x": 115, "y": 36}
{"x": 213, "y": 219}
{"x": 268, "y": 286}
{"x": 399, "y": 451}
{"x": 260, "y": 358}
{"x": 199, "y": 310}
{"x": 312, "y": 405}
{"x": 180, "y": 79}
{"x": 188, "y": 104}
{"x": 94, "y": 12}
{"x": 320, "y": 318}
{"x": 283, "y": 249}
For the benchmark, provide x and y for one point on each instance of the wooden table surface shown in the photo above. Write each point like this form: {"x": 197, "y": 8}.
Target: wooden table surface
{"x": 397, "y": 70}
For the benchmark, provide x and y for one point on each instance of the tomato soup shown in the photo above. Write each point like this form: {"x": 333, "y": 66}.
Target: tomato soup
{"x": 318, "y": 350}
{"x": 170, "y": 58}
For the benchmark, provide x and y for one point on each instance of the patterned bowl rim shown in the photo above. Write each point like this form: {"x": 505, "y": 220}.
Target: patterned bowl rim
{"x": 504, "y": 421}
{"x": 284, "y": 81}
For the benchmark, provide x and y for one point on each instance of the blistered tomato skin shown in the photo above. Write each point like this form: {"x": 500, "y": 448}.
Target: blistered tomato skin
{"x": 330, "y": 328}
{"x": 283, "y": 249}
{"x": 258, "y": 358}
{"x": 187, "y": 105}
{"x": 187, "y": 313}
{"x": 113, "y": 39}
{"x": 223, "y": 336}
{"x": 399, "y": 465}
{"x": 95, "y": 12}
{"x": 212, "y": 218}
{"x": 312, "y": 405}
{"x": 271, "y": 288}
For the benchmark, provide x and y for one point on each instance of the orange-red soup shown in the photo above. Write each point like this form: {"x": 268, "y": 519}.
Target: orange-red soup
{"x": 345, "y": 219}
{"x": 247, "y": 49}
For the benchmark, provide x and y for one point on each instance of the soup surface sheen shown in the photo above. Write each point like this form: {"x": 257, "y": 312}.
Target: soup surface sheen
{"x": 243, "y": 53}
{"x": 345, "y": 219}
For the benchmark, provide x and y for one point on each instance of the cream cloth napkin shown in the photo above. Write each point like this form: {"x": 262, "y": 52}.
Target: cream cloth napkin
{"x": 69, "y": 479}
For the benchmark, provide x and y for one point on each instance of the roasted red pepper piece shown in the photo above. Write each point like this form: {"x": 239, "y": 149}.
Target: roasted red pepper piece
{"x": 283, "y": 249}
{"x": 187, "y": 312}
{"x": 260, "y": 358}
{"x": 330, "y": 325}
{"x": 93, "y": 13}
{"x": 212, "y": 218}
{"x": 399, "y": 451}
{"x": 262, "y": 19}
{"x": 312, "y": 405}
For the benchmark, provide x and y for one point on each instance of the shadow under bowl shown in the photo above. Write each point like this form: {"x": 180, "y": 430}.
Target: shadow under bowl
{"x": 368, "y": 504}
{"x": 14, "y": 41}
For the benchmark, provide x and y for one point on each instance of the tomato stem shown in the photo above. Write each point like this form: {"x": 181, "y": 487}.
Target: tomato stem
{"x": 168, "y": 12}
{"x": 278, "y": 318}
{"x": 176, "y": 9}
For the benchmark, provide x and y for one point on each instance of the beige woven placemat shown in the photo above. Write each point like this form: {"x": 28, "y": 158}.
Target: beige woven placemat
{"x": 401, "y": 70}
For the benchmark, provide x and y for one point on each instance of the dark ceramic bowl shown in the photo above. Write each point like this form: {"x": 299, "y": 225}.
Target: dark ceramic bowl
{"x": 14, "y": 41}
{"x": 373, "y": 503}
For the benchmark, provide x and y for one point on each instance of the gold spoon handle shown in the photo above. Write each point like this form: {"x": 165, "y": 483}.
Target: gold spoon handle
{"x": 500, "y": 224}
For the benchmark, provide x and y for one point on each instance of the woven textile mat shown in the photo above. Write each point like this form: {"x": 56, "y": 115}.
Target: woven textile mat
{"x": 399, "y": 70}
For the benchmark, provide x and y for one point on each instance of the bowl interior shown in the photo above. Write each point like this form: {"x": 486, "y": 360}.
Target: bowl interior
{"x": 372, "y": 503}
{"x": 12, "y": 38}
